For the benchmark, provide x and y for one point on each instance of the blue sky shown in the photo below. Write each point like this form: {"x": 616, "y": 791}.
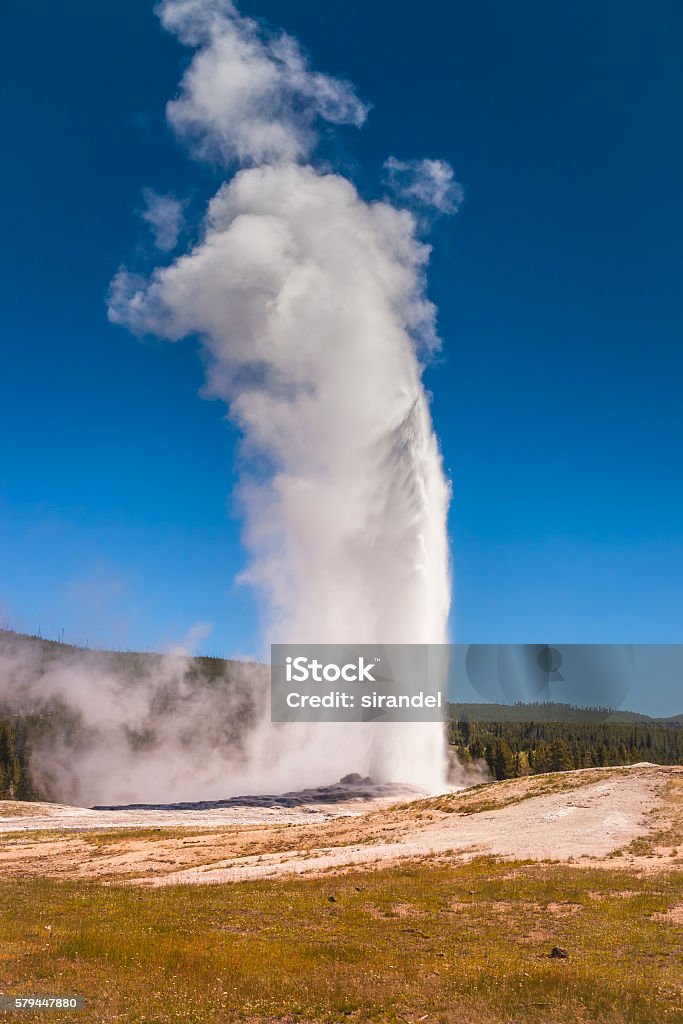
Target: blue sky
{"x": 556, "y": 396}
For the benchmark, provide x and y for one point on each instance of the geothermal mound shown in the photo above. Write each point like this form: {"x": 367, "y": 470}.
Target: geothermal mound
{"x": 350, "y": 787}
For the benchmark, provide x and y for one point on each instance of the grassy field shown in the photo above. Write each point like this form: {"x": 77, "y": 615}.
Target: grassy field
{"x": 467, "y": 944}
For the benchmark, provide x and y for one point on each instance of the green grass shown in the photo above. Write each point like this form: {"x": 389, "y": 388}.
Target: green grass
{"x": 466, "y": 944}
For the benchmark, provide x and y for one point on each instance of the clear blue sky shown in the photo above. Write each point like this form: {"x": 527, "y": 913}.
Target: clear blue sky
{"x": 557, "y": 397}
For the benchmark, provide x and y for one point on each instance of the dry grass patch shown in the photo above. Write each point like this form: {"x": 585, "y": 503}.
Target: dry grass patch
{"x": 664, "y": 840}
{"x": 493, "y": 796}
{"x": 20, "y": 809}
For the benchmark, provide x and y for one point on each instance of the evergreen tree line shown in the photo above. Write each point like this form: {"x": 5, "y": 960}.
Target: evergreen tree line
{"x": 513, "y": 749}
{"x": 15, "y": 775}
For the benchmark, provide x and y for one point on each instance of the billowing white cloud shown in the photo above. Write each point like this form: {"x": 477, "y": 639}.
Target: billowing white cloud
{"x": 164, "y": 215}
{"x": 429, "y": 183}
{"x": 249, "y": 96}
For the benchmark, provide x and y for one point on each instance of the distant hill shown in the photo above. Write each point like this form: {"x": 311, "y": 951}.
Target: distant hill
{"x": 552, "y": 712}
{"x": 125, "y": 662}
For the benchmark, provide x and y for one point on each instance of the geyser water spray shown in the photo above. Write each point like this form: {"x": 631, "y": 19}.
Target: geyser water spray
{"x": 310, "y": 303}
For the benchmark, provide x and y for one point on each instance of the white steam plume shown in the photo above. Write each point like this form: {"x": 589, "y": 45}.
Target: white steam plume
{"x": 164, "y": 215}
{"x": 249, "y": 95}
{"x": 310, "y": 303}
{"x": 427, "y": 183}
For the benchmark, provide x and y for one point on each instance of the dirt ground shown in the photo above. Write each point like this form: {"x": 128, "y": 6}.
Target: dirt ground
{"x": 627, "y": 817}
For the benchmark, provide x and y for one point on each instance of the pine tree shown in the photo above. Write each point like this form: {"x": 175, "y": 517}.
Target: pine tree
{"x": 561, "y": 759}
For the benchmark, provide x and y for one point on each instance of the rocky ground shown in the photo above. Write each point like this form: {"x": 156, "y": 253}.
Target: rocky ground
{"x": 618, "y": 817}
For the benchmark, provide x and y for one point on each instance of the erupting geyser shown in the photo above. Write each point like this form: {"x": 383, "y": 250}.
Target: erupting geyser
{"x": 310, "y": 304}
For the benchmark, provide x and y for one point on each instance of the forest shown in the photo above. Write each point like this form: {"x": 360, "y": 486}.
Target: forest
{"x": 15, "y": 774}
{"x": 532, "y": 739}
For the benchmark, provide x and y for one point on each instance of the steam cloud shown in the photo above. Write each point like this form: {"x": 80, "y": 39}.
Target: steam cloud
{"x": 310, "y": 304}
{"x": 427, "y": 182}
{"x": 249, "y": 96}
{"x": 164, "y": 215}
{"x": 121, "y": 728}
